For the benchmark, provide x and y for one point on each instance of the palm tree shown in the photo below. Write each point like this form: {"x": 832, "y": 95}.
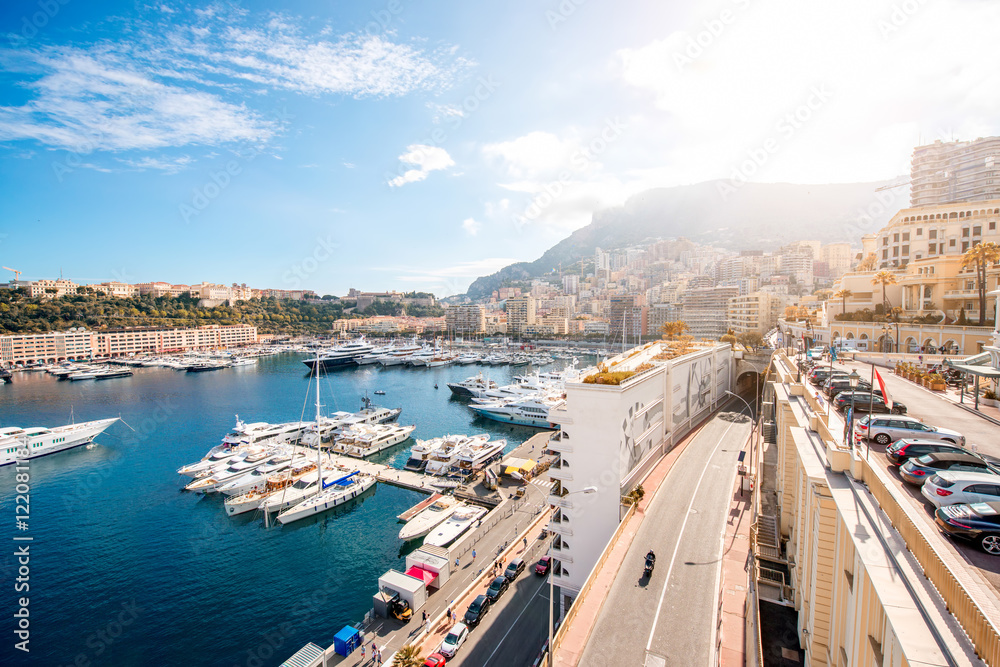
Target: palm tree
{"x": 981, "y": 256}
{"x": 884, "y": 278}
{"x": 842, "y": 295}
{"x": 673, "y": 329}
{"x": 408, "y": 656}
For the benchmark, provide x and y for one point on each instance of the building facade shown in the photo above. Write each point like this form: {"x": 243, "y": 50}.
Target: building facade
{"x": 465, "y": 319}
{"x": 520, "y": 314}
{"x": 704, "y": 310}
{"x": 956, "y": 171}
{"x": 757, "y": 312}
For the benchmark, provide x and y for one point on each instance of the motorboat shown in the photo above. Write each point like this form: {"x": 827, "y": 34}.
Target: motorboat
{"x": 430, "y": 518}
{"x": 472, "y": 387}
{"x": 441, "y": 459}
{"x": 18, "y": 444}
{"x": 336, "y": 493}
{"x": 213, "y": 480}
{"x": 363, "y": 440}
{"x": 324, "y": 429}
{"x": 421, "y": 452}
{"x": 343, "y": 355}
{"x": 474, "y": 456}
{"x": 256, "y": 478}
{"x": 373, "y": 356}
{"x": 251, "y": 500}
{"x": 302, "y": 488}
{"x": 243, "y": 361}
{"x": 454, "y": 527}
{"x": 527, "y": 411}
{"x": 399, "y": 355}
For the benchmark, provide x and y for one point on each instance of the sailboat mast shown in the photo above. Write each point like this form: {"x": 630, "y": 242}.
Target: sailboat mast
{"x": 319, "y": 438}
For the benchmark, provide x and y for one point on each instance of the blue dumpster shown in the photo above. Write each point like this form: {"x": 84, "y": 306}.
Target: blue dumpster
{"x": 346, "y": 641}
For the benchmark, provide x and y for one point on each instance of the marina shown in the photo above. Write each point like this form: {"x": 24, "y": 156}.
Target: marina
{"x": 131, "y": 474}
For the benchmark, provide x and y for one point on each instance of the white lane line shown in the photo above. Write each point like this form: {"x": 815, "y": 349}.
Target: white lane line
{"x": 677, "y": 545}
{"x": 500, "y": 643}
{"x": 718, "y": 577}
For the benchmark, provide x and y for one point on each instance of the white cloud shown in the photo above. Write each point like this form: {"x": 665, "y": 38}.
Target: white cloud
{"x": 533, "y": 154}
{"x": 426, "y": 158}
{"x": 164, "y": 164}
{"x": 471, "y": 226}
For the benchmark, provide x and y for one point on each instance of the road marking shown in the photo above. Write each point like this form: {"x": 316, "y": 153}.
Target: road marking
{"x": 680, "y": 535}
{"x": 502, "y": 639}
{"x": 716, "y": 621}
{"x": 653, "y": 660}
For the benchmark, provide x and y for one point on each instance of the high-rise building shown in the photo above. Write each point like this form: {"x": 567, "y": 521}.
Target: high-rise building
{"x": 957, "y": 171}
{"x": 838, "y": 258}
{"x": 466, "y": 319}
{"x": 625, "y": 318}
{"x": 520, "y": 313}
{"x": 705, "y": 309}
{"x": 754, "y": 312}
{"x": 571, "y": 284}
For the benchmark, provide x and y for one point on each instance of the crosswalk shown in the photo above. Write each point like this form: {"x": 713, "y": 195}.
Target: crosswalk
{"x": 543, "y": 483}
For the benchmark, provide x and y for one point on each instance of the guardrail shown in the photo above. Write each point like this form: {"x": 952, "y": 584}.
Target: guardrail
{"x": 982, "y": 631}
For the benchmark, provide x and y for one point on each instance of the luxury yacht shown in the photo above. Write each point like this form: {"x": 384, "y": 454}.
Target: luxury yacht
{"x": 363, "y": 440}
{"x": 336, "y": 493}
{"x": 30, "y": 443}
{"x": 527, "y": 411}
{"x": 474, "y": 386}
{"x": 455, "y": 526}
{"x": 429, "y": 518}
{"x": 340, "y": 356}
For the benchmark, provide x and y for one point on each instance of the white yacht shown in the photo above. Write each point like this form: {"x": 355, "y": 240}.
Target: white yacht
{"x": 370, "y": 414}
{"x": 421, "y": 452}
{"x": 343, "y": 355}
{"x": 373, "y": 356}
{"x": 467, "y": 358}
{"x": 363, "y": 440}
{"x": 442, "y": 458}
{"x": 527, "y": 411}
{"x": 251, "y": 500}
{"x": 293, "y": 494}
{"x": 212, "y": 481}
{"x": 256, "y": 479}
{"x": 30, "y": 443}
{"x": 243, "y": 361}
{"x": 474, "y": 456}
{"x": 474, "y": 386}
{"x": 325, "y": 428}
{"x": 456, "y": 525}
{"x": 336, "y": 493}
{"x": 428, "y": 519}
{"x": 399, "y": 355}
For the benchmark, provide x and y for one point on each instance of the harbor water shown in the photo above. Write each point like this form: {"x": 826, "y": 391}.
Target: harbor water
{"x": 128, "y": 569}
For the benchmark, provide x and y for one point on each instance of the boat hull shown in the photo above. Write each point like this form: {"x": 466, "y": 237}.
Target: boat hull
{"x": 75, "y": 435}
{"x": 307, "y": 509}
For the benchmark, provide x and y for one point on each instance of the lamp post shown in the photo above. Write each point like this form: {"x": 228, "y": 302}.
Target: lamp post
{"x": 753, "y": 419}
{"x": 852, "y": 379}
{"x": 552, "y": 571}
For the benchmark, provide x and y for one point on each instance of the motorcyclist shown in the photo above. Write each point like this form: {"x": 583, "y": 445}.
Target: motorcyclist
{"x": 650, "y": 555}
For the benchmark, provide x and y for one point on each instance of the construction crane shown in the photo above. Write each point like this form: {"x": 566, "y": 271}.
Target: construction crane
{"x": 893, "y": 186}
{"x": 17, "y": 274}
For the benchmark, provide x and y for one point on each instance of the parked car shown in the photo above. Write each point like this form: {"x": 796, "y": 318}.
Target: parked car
{"x": 477, "y": 610}
{"x": 497, "y": 588}
{"x": 542, "y": 566}
{"x": 434, "y": 660}
{"x": 884, "y": 429}
{"x": 903, "y": 450}
{"x": 821, "y": 374}
{"x": 918, "y": 469}
{"x": 867, "y": 403}
{"x": 836, "y": 384}
{"x": 514, "y": 568}
{"x": 456, "y": 637}
{"x": 979, "y": 523}
{"x": 952, "y": 488}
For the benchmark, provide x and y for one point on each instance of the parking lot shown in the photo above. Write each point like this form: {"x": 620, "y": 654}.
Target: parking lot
{"x": 981, "y": 435}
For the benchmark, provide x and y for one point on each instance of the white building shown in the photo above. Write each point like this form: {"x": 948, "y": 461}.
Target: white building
{"x": 611, "y": 436}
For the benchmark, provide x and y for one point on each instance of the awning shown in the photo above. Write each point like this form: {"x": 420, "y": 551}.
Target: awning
{"x": 976, "y": 365}
{"x": 518, "y": 465}
{"x": 423, "y": 575}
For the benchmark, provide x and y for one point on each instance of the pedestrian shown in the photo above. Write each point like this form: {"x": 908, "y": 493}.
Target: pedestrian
{"x": 456, "y": 563}
{"x": 362, "y": 653}
{"x": 447, "y": 614}
{"x": 525, "y": 543}
{"x": 423, "y": 620}
{"x": 473, "y": 555}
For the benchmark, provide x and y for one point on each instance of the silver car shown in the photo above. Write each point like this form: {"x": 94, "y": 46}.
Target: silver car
{"x": 884, "y": 429}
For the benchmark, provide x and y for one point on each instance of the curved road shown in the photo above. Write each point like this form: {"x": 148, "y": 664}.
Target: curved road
{"x": 670, "y": 618}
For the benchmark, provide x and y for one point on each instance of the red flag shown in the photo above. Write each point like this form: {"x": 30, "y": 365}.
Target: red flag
{"x": 885, "y": 391}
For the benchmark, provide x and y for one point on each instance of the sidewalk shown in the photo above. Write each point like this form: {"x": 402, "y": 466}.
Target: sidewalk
{"x": 733, "y": 587}
{"x": 576, "y": 635}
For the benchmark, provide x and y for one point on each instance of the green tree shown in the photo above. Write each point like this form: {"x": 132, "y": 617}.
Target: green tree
{"x": 981, "y": 256}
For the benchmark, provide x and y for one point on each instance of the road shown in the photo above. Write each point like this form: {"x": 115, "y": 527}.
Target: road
{"x": 669, "y": 619}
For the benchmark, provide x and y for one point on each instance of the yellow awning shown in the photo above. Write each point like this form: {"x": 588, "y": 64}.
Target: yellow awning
{"x": 518, "y": 465}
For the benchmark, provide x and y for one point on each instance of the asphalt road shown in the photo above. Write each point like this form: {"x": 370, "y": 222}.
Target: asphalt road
{"x": 669, "y": 618}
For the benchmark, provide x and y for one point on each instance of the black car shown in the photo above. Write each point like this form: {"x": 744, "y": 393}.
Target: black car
{"x": 917, "y": 470}
{"x": 979, "y": 523}
{"x": 497, "y": 588}
{"x": 866, "y": 403}
{"x": 903, "y": 450}
{"x": 477, "y": 610}
{"x": 836, "y": 384}
{"x": 515, "y": 568}
{"x": 821, "y": 374}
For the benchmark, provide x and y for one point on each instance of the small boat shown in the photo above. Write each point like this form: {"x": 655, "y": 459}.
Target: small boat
{"x": 379, "y": 392}
{"x": 419, "y": 507}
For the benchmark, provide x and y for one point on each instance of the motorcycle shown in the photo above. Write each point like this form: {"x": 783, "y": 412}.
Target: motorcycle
{"x": 650, "y": 562}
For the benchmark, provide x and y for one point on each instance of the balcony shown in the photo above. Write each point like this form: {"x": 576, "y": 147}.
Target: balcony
{"x": 561, "y": 473}
{"x": 961, "y": 294}
{"x": 561, "y": 501}
{"x": 560, "y": 445}
{"x": 560, "y": 528}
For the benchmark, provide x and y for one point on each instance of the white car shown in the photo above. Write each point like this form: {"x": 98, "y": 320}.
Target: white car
{"x": 449, "y": 647}
{"x": 885, "y": 429}
{"x": 953, "y": 488}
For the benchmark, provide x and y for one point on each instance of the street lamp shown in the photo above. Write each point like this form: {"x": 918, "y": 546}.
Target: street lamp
{"x": 852, "y": 380}
{"x": 587, "y": 490}
{"x": 753, "y": 420}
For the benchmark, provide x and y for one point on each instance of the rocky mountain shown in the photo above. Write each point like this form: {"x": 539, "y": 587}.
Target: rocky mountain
{"x": 754, "y": 216}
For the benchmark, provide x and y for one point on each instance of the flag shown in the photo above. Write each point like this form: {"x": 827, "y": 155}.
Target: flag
{"x": 885, "y": 390}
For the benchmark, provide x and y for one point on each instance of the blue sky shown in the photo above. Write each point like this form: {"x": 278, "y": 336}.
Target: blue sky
{"x": 414, "y": 145}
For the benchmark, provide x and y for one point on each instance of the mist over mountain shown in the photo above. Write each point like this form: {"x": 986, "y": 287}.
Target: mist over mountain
{"x": 754, "y": 216}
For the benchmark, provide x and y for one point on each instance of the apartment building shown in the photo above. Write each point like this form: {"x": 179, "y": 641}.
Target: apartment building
{"x": 116, "y": 289}
{"x": 705, "y": 309}
{"x": 50, "y": 289}
{"x": 465, "y": 319}
{"x": 955, "y": 171}
{"x": 611, "y": 436}
{"x": 520, "y": 314}
{"x": 757, "y": 312}
{"x": 53, "y": 346}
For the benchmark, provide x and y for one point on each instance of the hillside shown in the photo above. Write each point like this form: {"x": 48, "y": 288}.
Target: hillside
{"x": 757, "y": 216}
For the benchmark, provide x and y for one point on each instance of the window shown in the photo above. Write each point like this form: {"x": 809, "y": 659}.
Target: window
{"x": 895, "y": 251}
{"x": 951, "y": 243}
{"x": 885, "y": 254}
{"x": 895, "y": 237}
{"x": 932, "y": 233}
{"x": 931, "y": 248}
{"x": 965, "y": 232}
{"x": 965, "y": 246}
{"x": 920, "y": 231}
{"x": 906, "y": 236}
{"x": 977, "y": 230}
{"x": 993, "y": 226}
{"x": 906, "y": 250}
{"x": 885, "y": 240}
